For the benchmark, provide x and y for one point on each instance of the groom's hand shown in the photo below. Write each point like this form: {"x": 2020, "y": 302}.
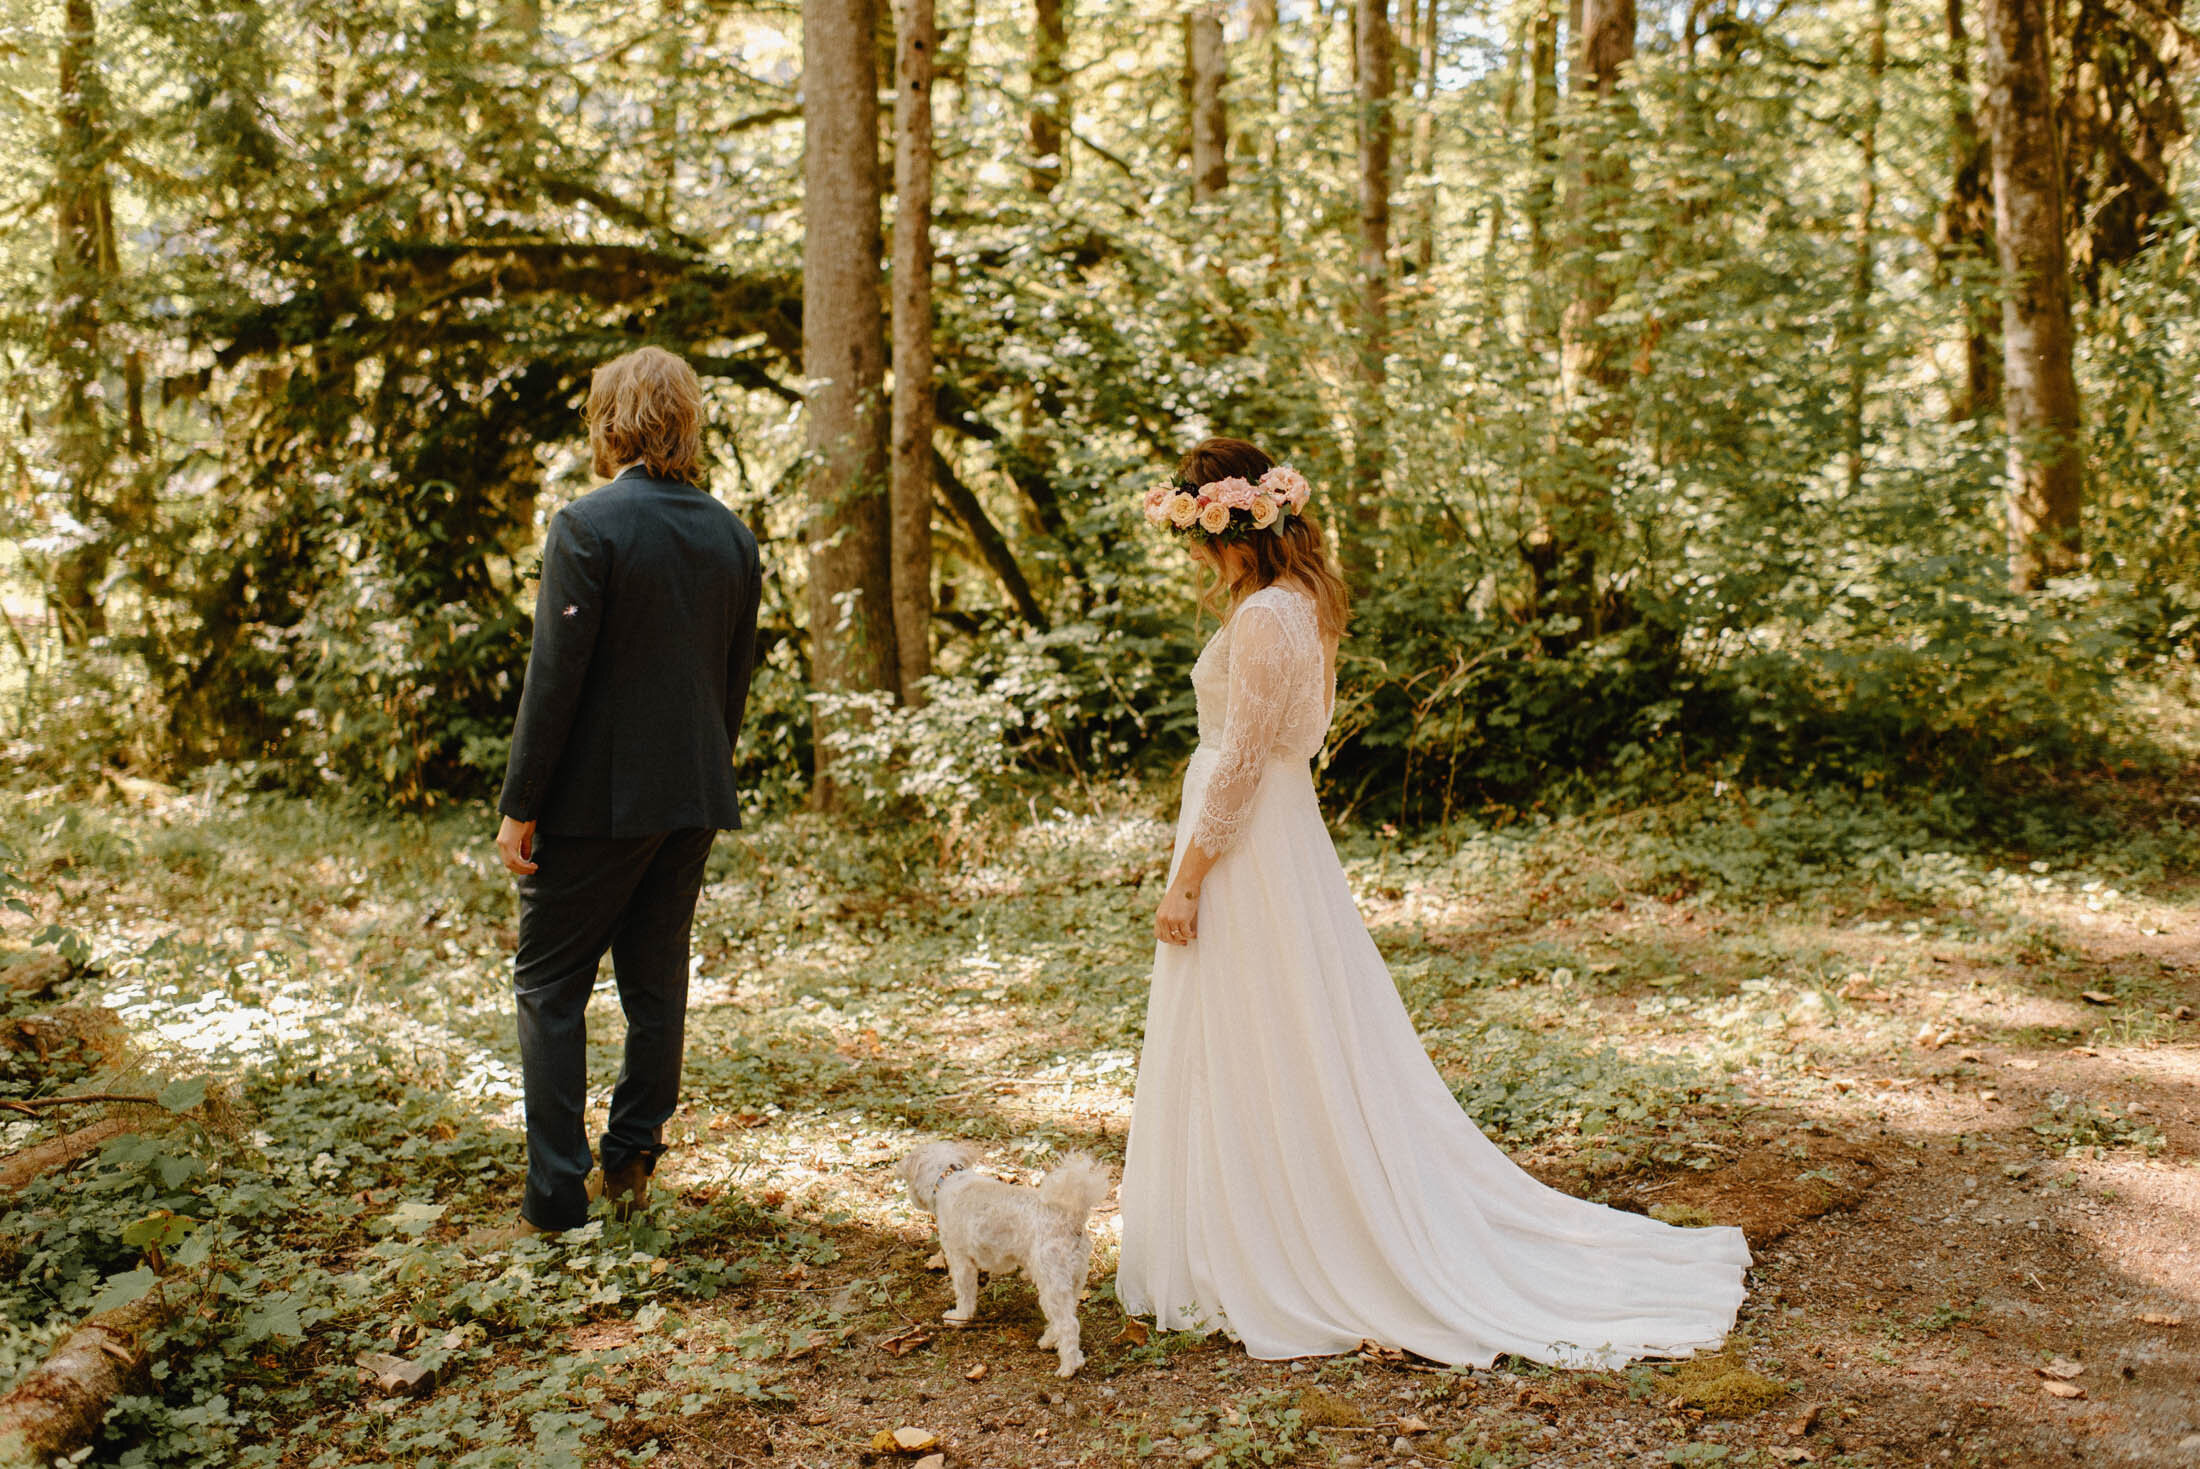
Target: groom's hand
{"x": 516, "y": 845}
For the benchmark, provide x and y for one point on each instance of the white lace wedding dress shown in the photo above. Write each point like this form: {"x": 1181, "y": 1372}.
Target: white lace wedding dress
{"x": 1299, "y": 1175}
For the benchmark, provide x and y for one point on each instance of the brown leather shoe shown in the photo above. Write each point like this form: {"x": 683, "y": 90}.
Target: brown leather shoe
{"x": 627, "y": 1187}
{"x": 494, "y": 1237}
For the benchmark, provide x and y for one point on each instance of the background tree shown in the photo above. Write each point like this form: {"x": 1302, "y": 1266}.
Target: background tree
{"x": 2046, "y": 473}
{"x": 1375, "y": 77}
{"x": 851, "y": 597}
{"x": 916, "y": 41}
{"x": 1210, "y": 124}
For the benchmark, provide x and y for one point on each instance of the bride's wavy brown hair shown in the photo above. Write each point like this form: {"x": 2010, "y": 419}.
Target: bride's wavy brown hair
{"x": 1293, "y": 550}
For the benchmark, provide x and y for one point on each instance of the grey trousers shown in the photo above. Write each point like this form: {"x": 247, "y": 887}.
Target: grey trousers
{"x": 634, "y": 896}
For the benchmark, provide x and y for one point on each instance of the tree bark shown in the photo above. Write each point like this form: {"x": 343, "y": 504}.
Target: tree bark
{"x": 849, "y": 531}
{"x": 1543, "y": 131}
{"x": 1048, "y": 120}
{"x": 1210, "y": 124}
{"x": 1856, "y": 328}
{"x": 1424, "y": 142}
{"x": 916, "y": 42}
{"x": 1376, "y": 76}
{"x": 1964, "y": 243}
{"x": 2046, "y": 474}
{"x": 82, "y": 264}
{"x": 1575, "y": 510}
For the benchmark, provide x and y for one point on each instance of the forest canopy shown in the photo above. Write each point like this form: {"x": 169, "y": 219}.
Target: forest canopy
{"x": 1650, "y": 364}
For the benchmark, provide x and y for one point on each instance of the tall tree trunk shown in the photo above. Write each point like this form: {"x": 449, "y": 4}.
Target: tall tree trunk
{"x": 2046, "y": 476}
{"x": 1424, "y": 143}
{"x": 849, "y": 533}
{"x": 1964, "y": 246}
{"x": 1048, "y": 120}
{"x": 1210, "y": 125}
{"x": 1543, "y": 131}
{"x": 664, "y": 111}
{"x": 1377, "y": 73}
{"x": 1264, "y": 46}
{"x": 81, "y": 267}
{"x": 915, "y": 44}
{"x": 1575, "y": 509}
{"x": 1856, "y": 326}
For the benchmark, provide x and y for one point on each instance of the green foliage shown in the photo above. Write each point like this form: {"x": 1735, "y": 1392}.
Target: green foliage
{"x": 2077, "y": 1125}
{"x": 366, "y": 255}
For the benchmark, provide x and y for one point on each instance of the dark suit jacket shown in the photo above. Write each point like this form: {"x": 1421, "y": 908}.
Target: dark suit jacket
{"x": 645, "y": 637}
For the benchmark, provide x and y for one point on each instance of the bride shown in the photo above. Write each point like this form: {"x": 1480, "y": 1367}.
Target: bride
{"x": 1298, "y": 1174}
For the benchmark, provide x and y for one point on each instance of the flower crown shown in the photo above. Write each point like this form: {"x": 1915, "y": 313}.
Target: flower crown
{"x": 1226, "y": 508}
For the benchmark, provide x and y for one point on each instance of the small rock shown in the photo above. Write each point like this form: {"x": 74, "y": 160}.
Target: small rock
{"x": 2063, "y": 1368}
{"x": 932, "y": 1461}
{"x": 915, "y": 1440}
{"x": 2055, "y": 1388}
{"x": 1401, "y": 1446}
{"x": 2190, "y": 1443}
{"x": 976, "y": 1373}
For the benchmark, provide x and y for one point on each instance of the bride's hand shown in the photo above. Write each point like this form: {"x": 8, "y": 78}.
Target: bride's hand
{"x": 1177, "y": 922}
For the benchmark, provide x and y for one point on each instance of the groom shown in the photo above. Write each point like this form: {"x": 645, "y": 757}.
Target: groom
{"x": 621, "y": 774}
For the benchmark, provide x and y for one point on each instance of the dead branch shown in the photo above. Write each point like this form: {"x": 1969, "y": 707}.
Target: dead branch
{"x": 58, "y": 1406}
{"x": 18, "y": 1170}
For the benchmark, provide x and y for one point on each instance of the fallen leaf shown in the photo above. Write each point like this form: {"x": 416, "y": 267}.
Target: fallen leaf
{"x": 2161, "y": 1318}
{"x": 1411, "y": 1424}
{"x": 902, "y": 1343}
{"x": 1134, "y": 1333}
{"x": 2062, "y": 1389}
{"x": 2062, "y": 1367}
{"x": 1794, "y": 1454}
{"x": 975, "y": 1374}
{"x": 1807, "y": 1420}
{"x": 2096, "y": 997}
{"x": 1375, "y": 1352}
{"x": 937, "y": 1262}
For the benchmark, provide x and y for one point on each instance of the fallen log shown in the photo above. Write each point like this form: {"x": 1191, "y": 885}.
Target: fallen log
{"x": 19, "y": 1170}
{"x": 58, "y": 1406}
{"x": 35, "y": 975}
{"x": 95, "y": 1035}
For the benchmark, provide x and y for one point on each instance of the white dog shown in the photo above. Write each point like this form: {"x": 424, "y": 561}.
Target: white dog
{"x": 989, "y": 1225}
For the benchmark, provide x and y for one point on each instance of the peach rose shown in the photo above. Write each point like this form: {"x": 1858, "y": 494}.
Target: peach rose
{"x": 1215, "y": 519}
{"x": 1265, "y": 512}
{"x": 1183, "y": 510}
{"x": 1287, "y": 485}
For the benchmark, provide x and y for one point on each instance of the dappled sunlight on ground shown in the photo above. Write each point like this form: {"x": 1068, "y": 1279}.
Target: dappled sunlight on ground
{"x": 1951, "y": 1097}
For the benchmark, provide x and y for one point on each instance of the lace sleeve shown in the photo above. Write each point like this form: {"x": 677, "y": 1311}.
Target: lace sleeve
{"x": 1266, "y": 658}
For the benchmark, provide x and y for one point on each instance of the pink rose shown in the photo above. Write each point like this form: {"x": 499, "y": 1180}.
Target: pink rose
{"x": 1183, "y": 510}
{"x": 1215, "y": 518}
{"x": 1234, "y": 492}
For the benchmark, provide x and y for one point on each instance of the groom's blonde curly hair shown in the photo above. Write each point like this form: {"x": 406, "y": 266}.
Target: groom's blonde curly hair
{"x": 646, "y": 407}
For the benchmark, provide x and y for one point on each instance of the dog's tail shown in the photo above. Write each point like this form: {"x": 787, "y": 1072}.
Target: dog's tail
{"x": 1077, "y": 1184}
